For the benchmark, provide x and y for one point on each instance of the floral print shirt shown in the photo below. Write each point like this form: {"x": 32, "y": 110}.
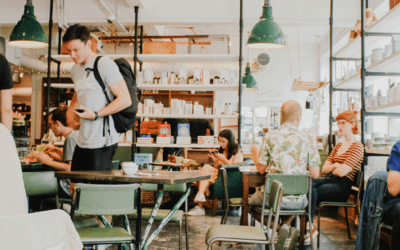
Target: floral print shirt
{"x": 289, "y": 150}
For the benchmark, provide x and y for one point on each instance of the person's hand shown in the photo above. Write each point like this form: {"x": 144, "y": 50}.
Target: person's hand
{"x": 86, "y": 114}
{"x": 48, "y": 148}
{"x": 41, "y": 157}
{"x": 212, "y": 156}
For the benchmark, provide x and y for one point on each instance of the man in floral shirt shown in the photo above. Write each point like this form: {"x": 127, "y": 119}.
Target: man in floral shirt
{"x": 287, "y": 150}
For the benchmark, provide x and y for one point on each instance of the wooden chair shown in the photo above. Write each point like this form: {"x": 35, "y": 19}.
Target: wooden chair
{"x": 346, "y": 204}
{"x": 250, "y": 234}
{"x": 91, "y": 199}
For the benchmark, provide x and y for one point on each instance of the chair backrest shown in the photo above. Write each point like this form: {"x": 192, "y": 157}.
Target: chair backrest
{"x": 358, "y": 184}
{"x": 40, "y": 183}
{"x": 169, "y": 188}
{"x": 274, "y": 202}
{"x": 92, "y": 199}
{"x": 294, "y": 184}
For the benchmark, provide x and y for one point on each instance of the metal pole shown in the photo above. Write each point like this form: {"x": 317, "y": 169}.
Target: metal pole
{"x": 330, "y": 76}
{"x": 133, "y": 149}
{"x": 48, "y": 65}
{"x": 240, "y": 71}
{"x": 362, "y": 75}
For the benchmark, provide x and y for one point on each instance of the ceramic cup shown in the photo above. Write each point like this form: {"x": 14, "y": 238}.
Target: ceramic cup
{"x": 377, "y": 54}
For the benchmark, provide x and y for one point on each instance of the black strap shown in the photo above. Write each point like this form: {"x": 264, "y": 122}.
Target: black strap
{"x": 98, "y": 78}
{"x": 103, "y": 86}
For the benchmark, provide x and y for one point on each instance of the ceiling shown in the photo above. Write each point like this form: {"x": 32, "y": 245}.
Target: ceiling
{"x": 306, "y": 21}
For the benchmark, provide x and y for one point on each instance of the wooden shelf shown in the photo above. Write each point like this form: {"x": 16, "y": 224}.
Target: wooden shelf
{"x": 154, "y": 145}
{"x": 378, "y": 151}
{"x": 176, "y": 94}
{"x": 61, "y": 85}
{"x": 387, "y": 65}
{"x": 189, "y": 87}
{"x": 189, "y": 116}
{"x": 388, "y": 108}
{"x": 165, "y": 58}
{"x": 388, "y": 23}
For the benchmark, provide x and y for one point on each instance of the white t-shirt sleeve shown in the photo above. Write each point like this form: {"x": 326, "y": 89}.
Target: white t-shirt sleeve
{"x": 109, "y": 71}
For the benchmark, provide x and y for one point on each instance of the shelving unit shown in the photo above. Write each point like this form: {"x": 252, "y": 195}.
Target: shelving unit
{"x": 165, "y": 58}
{"x": 376, "y": 36}
{"x": 189, "y": 116}
{"x": 140, "y": 58}
{"x": 189, "y": 87}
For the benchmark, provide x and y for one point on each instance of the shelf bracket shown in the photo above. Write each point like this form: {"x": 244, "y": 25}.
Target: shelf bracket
{"x": 381, "y": 114}
{"x": 380, "y": 34}
{"x": 368, "y": 73}
{"x": 345, "y": 59}
{"x": 346, "y": 90}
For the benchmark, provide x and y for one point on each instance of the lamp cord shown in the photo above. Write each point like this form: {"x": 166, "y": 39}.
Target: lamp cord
{"x": 290, "y": 62}
{"x": 298, "y": 50}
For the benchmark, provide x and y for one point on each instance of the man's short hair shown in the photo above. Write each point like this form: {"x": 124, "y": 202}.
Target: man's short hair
{"x": 59, "y": 115}
{"x": 76, "y": 31}
{"x": 290, "y": 110}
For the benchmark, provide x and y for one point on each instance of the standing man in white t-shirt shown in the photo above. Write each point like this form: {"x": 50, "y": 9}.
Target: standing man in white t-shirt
{"x": 98, "y": 140}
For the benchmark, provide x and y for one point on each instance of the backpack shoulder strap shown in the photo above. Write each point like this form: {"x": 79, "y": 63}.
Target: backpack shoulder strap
{"x": 98, "y": 77}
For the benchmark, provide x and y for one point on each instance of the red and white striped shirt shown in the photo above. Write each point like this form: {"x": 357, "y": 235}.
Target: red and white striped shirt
{"x": 353, "y": 157}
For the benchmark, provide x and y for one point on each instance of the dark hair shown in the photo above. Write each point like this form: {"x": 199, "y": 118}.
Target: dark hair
{"x": 76, "y": 31}
{"x": 59, "y": 115}
{"x": 233, "y": 147}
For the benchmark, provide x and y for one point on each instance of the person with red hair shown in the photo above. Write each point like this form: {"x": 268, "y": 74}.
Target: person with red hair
{"x": 342, "y": 165}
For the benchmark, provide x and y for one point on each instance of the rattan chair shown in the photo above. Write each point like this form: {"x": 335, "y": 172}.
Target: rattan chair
{"x": 91, "y": 199}
{"x": 250, "y": 234}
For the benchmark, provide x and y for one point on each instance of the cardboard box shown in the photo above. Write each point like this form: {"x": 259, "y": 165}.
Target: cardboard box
{"x": 205, "y": 140}
{"x": 183, "y": 140}
{"x": 163, "y": 140}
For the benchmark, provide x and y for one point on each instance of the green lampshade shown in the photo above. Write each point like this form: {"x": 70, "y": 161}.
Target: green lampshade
{"x": 28, "y": 33}
{"x": 266, "y": 34}
{"x": 249, "y": 80}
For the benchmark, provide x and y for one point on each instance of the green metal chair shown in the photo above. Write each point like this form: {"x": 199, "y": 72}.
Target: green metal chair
{"x": 251, "y": 234}
{"x": 40, "y": 183}
{"x": 234, "y": 187}
{"x": 294, "y": 184}
{"x": 162, "y": 213}
{"x": 356, "y": 189}
{"x": 91, "y": 199}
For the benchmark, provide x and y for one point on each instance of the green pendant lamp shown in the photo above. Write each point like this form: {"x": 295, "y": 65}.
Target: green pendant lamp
{"x": 249, "y": 80}
{"x": 28, "y": 33}
{"x": 266, "y": 34}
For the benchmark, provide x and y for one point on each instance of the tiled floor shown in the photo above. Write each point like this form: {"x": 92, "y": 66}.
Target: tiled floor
{"x": 333, "y": 233}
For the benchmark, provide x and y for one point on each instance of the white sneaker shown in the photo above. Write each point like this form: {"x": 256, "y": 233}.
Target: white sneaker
{"x": 197, "y": 211}
{"x": 307, "y": 237}
{"x": 199, "y": 198}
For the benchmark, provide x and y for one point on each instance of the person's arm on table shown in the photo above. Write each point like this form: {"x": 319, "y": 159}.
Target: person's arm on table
{"x": 45, "y": 159}
{"x": 6, "y": 108}
{"x": 122, "y": 100}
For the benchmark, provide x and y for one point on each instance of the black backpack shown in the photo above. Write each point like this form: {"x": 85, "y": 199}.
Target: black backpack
{"x": 124, "y": 119}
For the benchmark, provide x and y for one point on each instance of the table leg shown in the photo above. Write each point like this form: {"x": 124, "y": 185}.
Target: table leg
{"x": 245, "y": 210}
{"x": 159, "y": 197}
{"x": 147, "y": 242}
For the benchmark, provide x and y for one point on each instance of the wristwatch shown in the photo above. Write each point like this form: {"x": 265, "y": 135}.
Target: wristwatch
{"x": 96, "y": 116}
